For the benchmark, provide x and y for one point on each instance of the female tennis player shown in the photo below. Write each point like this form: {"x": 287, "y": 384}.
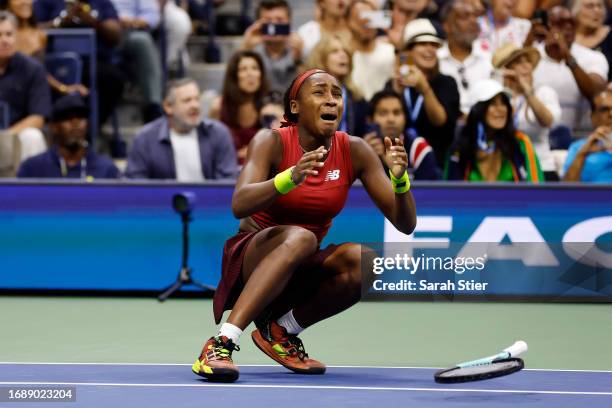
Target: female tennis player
{"x": 294, "y": 182}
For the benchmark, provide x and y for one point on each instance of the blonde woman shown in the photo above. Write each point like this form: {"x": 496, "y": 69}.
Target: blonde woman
{"x": 334, "y": 56}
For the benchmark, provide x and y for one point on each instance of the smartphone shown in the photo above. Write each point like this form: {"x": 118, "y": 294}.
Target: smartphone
{"x": 374, "y": 127}
{"x": 540, "y": 16}
{"x": 377, "y": 19}
{"x": 272, "y": 30}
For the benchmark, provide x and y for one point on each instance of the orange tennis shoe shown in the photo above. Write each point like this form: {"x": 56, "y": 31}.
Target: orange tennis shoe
{"x": 286, "y": 349}
{"x": 215, "y": 363}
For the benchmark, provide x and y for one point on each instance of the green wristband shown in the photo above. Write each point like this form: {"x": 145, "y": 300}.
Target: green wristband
{"x": 400, "y": 185}
{"x": 283, "y": 181}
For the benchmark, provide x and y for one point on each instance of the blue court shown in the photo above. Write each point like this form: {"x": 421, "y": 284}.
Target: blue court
{"x": 173, "y": 385}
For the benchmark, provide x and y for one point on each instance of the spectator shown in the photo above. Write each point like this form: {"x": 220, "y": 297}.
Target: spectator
{"x": 281, "y": 53}
{"x": 139, "y": 51}
{"x": 334, "y": 56}
{"x": 24, "y": 100}
{"x": 181, "y": 145}
{"x": 101, "y": 16}
{"x": 574, "y": 71}
{"x": 388, "y": 116}
{"x": 489, "y": 148}
{"x": 590, "y": 159}
{"x": 591, "y": 32}
{"x": 69, "y": 156}
{"x": 462, "y": 55}
{"x": 402, "y": 13}
{"x": 372, "y": 58}
{"x": 272, "y": 111}
{"x": 244, "y": 86}
{"x": 177, "y": 24}
{"x": 32, "y": 41}
{"x": 431, "y": 97}
{"x": 498, "y": 26}
{"x": 535, "y": 109}
{"x": 330, "y": 21}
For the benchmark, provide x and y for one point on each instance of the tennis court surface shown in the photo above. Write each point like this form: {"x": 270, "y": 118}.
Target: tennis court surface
{"x": 173, "y": 385}
{"x": 138, "y": 353}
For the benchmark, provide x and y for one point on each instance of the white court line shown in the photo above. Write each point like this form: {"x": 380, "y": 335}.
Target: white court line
{"x": 275, "y": 365}
{"x": 316, "y": 387}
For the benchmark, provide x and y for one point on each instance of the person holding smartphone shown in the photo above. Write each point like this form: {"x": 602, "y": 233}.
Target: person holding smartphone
{"x": 590, "y": 159}
{"x": 388, "y": 119}
{"x": 432, "y": 99}
{"x": 271, "y": 37}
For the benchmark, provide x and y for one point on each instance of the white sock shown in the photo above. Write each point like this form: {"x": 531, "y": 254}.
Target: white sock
{"x": 231, "y": 332}
{"x": 289, "y": 323}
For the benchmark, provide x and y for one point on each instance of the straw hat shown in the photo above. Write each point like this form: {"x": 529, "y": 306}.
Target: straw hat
{"x": 509, "y": 52}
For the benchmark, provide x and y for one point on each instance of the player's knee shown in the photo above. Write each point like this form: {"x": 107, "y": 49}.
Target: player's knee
{"x": 301, "y": 242}
{"x": 350, "y": 266}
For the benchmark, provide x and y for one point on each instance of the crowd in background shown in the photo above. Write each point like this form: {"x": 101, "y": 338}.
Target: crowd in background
{"x": 497, "y": 90}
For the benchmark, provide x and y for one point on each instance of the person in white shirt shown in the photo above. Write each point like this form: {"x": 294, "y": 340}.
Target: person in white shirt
{"x": 498, "y": 26}
{"x": 574, "y": 71}
{"x": 462, "y": 56}
{"x": 330, "y": 21}
{"x": 373, "y": 59}
{"x": 535, "y": 109}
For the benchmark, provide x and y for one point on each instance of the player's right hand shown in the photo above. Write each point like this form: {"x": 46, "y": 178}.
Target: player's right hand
{"x": 308, "y": 165}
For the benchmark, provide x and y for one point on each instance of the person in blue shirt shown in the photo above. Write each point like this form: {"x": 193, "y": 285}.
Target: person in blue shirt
{"x": 388, "y": 119}
{"x": 590, "y": 159}
{"x": 69, "y": 156}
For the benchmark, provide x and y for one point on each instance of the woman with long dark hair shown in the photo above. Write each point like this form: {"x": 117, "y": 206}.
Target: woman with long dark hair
{"x": 244, "y": 87}
{"x": 489, "y": 147}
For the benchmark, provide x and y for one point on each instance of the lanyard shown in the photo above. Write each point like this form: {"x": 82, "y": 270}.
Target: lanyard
{"x": 64, "y": 167}
{"x": 481, "y": 140}
{"x": 343, "y": 127}
{"x": 413, "y": 112}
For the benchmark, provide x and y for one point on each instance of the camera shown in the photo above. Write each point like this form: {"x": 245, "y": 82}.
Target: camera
{"x": 272, "y": 30}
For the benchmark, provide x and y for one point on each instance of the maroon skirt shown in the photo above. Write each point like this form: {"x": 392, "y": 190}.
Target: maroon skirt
{"x": 308, "y": 275}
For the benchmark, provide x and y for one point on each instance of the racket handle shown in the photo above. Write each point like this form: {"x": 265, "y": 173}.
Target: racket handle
{"x": 516, "y": 349}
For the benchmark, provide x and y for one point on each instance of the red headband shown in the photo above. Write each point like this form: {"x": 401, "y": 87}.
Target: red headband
{"x": 295, "y": 88}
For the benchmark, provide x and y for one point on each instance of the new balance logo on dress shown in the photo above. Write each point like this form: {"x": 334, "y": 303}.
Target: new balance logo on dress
{"x": 332, "y": 175}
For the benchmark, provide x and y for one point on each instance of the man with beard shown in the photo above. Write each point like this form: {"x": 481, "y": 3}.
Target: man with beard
{"x": 462, "y": 55}
{"x": 181, "y": 145}
{"x": 69, "y": 156}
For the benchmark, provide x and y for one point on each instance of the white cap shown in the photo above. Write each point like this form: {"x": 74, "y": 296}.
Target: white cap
{"x": 419, "y": 31}
{"x": 486, "y": 90}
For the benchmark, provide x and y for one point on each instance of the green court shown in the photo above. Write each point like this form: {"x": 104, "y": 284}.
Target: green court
{"x": 417, "y": 334}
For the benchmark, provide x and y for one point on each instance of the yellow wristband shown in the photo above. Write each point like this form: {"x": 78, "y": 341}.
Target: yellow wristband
{"x": 283, "y": 181}
{"x": 400, "y": 185}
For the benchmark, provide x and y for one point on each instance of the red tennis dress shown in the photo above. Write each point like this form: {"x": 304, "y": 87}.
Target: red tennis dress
{"x": 312, "y": 205}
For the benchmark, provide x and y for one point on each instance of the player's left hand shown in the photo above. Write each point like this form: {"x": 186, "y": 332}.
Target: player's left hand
{"x": 396, "y": 158}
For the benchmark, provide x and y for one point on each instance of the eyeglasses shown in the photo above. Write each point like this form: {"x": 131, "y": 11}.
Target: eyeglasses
{"x": 603, "y": 109}
{"x": 464, "y": 82}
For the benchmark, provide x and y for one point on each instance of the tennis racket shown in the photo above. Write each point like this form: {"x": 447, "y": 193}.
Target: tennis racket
{"x": 497, "y": 365}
